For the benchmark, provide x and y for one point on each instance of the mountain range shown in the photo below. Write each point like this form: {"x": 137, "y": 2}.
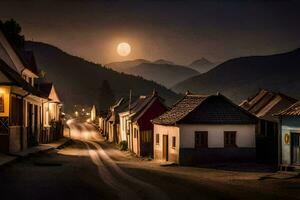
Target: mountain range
{"x": 162, "y": 71}
{"x": 164, "y": 74}
{"x": 78, "y": 81}
{"x": 241, "y": 77}
{"x": 202, "y": 65}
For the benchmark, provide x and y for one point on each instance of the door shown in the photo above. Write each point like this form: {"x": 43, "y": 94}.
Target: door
{"x": 295, "y": 148}
{"x": 165, "y": 147}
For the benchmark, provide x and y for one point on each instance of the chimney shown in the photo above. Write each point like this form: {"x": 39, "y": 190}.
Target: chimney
{"x": 188, "y": 92}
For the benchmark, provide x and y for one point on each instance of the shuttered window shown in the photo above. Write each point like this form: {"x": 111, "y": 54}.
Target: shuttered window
{"x": 201, "y": 139}
{"x": 230, "y": 138}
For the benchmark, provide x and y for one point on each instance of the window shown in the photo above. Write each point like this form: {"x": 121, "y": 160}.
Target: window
{"x": 173, "y": 142}
{"x": 16, "y": 115}
{"x": 1, "y": 102}
{"x": 201, "y": 139}
{"x": 134, "y": 132}
{"x": 230, "y": 138}
{"x": 157, "y": 139}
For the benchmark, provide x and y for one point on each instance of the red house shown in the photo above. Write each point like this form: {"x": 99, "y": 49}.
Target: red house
{"x": 142, "y": 112}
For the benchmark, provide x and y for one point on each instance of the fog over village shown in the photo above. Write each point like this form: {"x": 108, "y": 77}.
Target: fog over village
{"x": 149, "y": 99}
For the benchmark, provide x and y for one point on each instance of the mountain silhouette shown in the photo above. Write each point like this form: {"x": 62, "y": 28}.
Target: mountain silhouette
{"x": 202, "y": 65}
{"x": 241, "y": 77}
{"x": 78, "y": 81}
{"x": 161, "y": 71}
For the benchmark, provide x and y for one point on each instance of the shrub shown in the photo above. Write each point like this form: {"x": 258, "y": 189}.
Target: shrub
{"x": 123, "y": 145}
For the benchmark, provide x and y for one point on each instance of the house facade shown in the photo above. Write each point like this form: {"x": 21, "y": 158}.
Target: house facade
{"x": 204, "y": 129}
{"x": 264, "y": 105}
{"x": 20, "y": 101}
{"x": 141, "y": 131}
{"x": 52, "y": 124}
{"x": 289, "y": 137}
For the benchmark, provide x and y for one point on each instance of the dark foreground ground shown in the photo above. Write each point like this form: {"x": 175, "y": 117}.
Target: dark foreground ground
{"x": 89, "y": 168}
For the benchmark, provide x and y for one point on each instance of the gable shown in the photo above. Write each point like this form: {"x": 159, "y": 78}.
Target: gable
{"x": 218, "y": 110}
{"x": 53, "y": 95}
{"x": 4, "y": 79}
{"x": 16, "y": 62}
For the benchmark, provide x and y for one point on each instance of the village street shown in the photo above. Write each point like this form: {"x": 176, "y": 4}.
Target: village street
{"x": 90, "y": 168}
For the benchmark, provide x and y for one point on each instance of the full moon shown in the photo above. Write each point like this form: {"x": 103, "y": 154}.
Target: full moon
{"x": 123, "y": 49}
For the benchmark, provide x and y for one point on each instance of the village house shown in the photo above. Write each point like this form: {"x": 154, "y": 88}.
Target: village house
{"x": 52, "y": 124}
{"x": 93, "y": 113}
{"x": 20, "y": 101}
{"x": 114, "y": 120}
{"x": 264, "y": 105}
{"x": 289, "y": 137}
{"x": 204, "y": 129}
{"x": 136, "y": 123}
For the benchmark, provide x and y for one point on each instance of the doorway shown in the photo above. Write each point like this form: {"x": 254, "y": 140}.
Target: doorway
{"x": 295, "y": 148}
{"x": 165, "y": 148}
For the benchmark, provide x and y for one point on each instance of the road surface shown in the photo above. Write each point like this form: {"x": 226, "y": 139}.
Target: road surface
{"x": 90, "y": 168}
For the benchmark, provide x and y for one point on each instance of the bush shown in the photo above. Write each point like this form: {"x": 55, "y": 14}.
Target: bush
{"x": 123, "y": 145}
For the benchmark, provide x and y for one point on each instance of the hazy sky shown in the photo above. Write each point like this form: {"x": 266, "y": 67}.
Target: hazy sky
{"x": 181, "y": 31}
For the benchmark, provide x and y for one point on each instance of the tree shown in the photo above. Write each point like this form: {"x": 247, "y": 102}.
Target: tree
{"x": 13, "y": 30}
{"x": 106, "y": 96}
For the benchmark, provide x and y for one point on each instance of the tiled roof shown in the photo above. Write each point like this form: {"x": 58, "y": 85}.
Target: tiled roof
{"x": 205, "y": 109}
{"x": 265, "y": 104}
{"x": 17, "y": 80}
{"x": 293, "y": 110}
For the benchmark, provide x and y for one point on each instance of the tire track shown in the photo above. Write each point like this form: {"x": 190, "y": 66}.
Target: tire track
{"x": 152, "y": 191}
{"x": 123, "y": 192}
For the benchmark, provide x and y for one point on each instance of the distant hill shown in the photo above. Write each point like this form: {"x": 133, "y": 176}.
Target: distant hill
{"x": 162, "y": 61}
{"x": 125, "y": 65}
{"x": 241, "y": 77}
{"x": 202, "y": 65}
{"x": 165, "y": 74}
{"x": 161, "y": 71}
{"x": 78, "y": 81}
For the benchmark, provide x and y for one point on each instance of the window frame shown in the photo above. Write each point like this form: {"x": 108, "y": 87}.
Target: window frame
{"x": 173, "y": 142}
{"x": 157, "y": 139}
{"x": 231, "y": 140}
{"x": 198, "y": 136}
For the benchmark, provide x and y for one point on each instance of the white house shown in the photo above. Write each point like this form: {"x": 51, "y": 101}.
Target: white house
{"x": 204, "y": 129}
{"x": 289, "y": 137}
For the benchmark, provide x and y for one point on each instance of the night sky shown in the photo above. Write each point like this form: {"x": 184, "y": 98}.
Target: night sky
{"x": 181, "y": 31}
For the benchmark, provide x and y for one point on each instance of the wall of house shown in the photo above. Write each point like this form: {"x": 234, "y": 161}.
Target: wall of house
{"x": 135, "y": 138}
{"x": 170, "y": 131}
{"x": 289, "y": 125}
{"x": 245, "y": 135}
{"x": 5, "y": 91}
{"x": 185, "y": 152}
{"x": 123, "y": 126}
{"x": 216, "y": 152}
{"x": 153, "y": 111}
{"x": 15, "y": 139}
